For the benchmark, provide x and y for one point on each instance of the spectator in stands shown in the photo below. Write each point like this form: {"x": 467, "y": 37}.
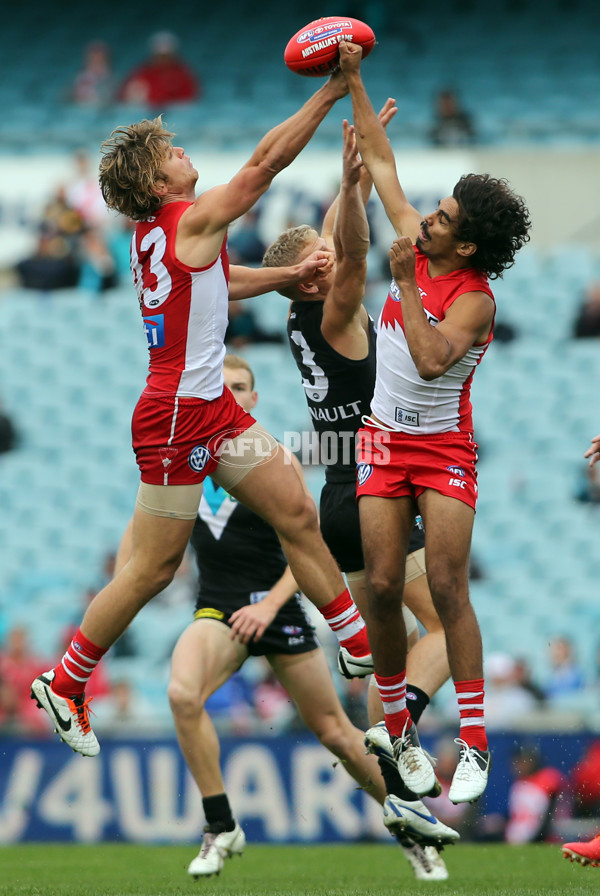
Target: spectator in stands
{"x": 588, "y": 487}
{"x": 127, "y": 713}
{"x": 8, "y": 433}
{"x": 51, "y": 265}
{"x": 163, "y": 78}
{"x": 587, "y": 322}
{"x": 452, "y": 125}
{"x": 17, "y": 664}
{"x": 566, "y": 676}
{"x": 94, "y": 83}
{"x": 245, "y": 245}
{"x": 538, "y": 797}
{"x": 54, "y": 262}
{"x": 244, "y": 329}
{"x": 98, "y": 271}
{"x": 524, "y": 678}
{"x": 272, "y": 703}
{"x": 82, "y": 192}
{"x": 506, "y": 700}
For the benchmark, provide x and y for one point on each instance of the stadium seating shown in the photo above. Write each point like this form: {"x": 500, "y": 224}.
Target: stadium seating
{"x": 71, "y": 367}
{"x": 68, "y": 491}
{"x": 527, "y": 71}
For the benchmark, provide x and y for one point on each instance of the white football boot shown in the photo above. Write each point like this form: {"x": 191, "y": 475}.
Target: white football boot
{"x": 215, "y": 849}
{"x": 69, "y": 715}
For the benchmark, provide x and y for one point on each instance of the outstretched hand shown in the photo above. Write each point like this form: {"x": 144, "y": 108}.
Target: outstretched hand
{"x": 593, "y": 451}
{"x": 388, "y": 110}
{"x": 402, "y": 259}
{"x": 350, "y": 56}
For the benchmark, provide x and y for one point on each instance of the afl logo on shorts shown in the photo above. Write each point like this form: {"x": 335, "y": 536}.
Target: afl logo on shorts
{"x": 198, "y": 458}
{"x": 363, "y": 471}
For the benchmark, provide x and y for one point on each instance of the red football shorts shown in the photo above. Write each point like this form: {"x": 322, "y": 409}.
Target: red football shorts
{"x": 177, "y": 439}
{"x": 397, "y": 464}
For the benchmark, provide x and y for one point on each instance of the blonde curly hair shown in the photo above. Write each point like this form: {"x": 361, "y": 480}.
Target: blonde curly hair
{"x": 131, "y": 162}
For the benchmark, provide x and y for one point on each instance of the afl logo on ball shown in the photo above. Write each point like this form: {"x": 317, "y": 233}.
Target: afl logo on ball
{"x": 198, "y": 458}
{"x": 363, "y": 471}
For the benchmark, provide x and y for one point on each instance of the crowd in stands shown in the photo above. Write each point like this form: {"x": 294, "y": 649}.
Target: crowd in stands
{"x": 161, "y": 79}
{"x": 79, "y": 246}
{"x": 74, "y": 238}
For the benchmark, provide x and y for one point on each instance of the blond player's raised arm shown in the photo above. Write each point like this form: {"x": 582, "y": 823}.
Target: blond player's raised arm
{"x": 214, "y": 210}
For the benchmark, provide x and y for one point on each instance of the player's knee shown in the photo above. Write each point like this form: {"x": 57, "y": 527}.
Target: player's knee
{"x": 449, "y": 593}
{"x": 332, "y": 735}
{"x": 158, "y": 572}
{"x": 185, "y": 702}
{"x": 385, "y": 591}
{"x": 300, "y": 515}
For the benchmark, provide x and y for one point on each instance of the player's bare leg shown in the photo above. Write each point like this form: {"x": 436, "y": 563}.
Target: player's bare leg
{"x": 275, "y": 491}
{"x": 307, "y": 679}
{"x": 427, "y": 664}
{"x": 205, "y": 657}
{"x": 158, "y": 546}
{"x": 385, "y": 528}
{"x": 448, "y": 529}
{"x": 427, "y": 661}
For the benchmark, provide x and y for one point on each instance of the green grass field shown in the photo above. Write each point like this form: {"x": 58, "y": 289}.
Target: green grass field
{"x": 354, "y": 870}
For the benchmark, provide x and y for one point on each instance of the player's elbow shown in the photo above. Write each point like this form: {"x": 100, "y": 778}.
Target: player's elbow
{"x": 428, "y": 369}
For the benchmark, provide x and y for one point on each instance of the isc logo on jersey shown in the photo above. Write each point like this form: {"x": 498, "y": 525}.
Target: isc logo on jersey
{"x": 154, "y": 328}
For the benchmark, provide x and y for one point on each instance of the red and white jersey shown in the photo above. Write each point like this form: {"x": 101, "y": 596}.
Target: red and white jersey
{"x": 184, "y": 309}
{"x": 403, "y": 401}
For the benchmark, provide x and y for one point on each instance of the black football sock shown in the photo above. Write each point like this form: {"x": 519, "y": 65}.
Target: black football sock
{"x": 394, "y": 785}
{"x": 217, "y": 812}
{"x": 416, "y": 702}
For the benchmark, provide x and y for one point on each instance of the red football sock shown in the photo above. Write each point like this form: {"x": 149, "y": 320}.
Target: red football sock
{"x": 470, "y": 703}
{"x": 73, "y": 672}
{"x": 347, "y": 624}
{"x": 392, "y": 690}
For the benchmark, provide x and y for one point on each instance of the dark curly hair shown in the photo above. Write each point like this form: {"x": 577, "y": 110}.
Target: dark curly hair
{"x": 492, "y": 217}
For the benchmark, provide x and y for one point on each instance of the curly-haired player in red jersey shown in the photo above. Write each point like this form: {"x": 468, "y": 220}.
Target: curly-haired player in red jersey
{"x": 435, "y": 327}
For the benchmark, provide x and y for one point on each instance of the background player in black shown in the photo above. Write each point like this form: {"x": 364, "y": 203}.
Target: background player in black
{"x": 333, "y": 341}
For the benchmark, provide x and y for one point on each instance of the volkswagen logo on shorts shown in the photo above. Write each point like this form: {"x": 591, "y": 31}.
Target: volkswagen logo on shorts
{"x": 363, "y": 471}
{"x": 198, "y": 458}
